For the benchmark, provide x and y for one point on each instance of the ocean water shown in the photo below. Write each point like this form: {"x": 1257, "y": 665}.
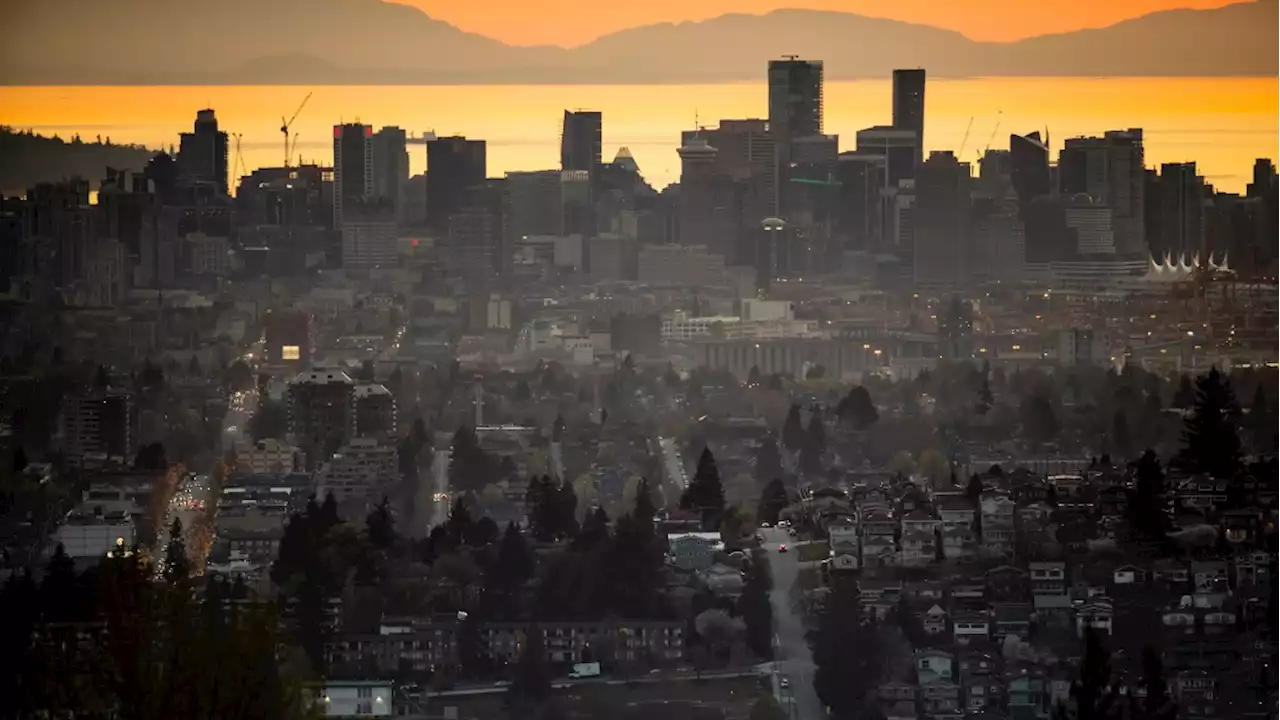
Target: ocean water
{"x": 1221, "y": 123}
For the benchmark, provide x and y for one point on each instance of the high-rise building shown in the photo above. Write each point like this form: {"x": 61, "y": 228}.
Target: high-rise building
{"x": 1111, "y": 171}
{"x": 795, "y": 97}
{"x": 580, "y": 140}
{"x": 746, "y": 152}
{"x": 1028, "y": 167}
{"x": 369, "y": 240}
{"x": 352, "y": 167}
{"x": 454, "y": 164}
{"x": 908, "y": 105}
{"x": 899, "y": 147}
{"x": 941, "y": 221}
{"x": 390, "y": 165}
{"x": 320, "y": 412}
{"x": 1181, "y": 212}
{"x": 202, "y": 153}
{"x": 374, "y": 411}
{"x": 859, "y": 219}
{"x": 477, "y": 248}
{"x": 707, "y": 206}
{"x": 99, "y": 422}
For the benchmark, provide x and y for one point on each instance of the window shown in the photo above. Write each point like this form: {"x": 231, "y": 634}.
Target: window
{"x": 364, "y": 692}
{"x": 290, "y": 352}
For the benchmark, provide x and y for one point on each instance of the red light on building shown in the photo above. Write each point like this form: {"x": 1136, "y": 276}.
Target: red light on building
{"x": 414, "y": 242}
{"x": 368, "y": 131}
{"x": 337, "y": 132}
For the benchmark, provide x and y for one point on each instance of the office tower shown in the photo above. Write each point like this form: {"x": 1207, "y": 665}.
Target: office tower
{"x": 908, "y": 105}
{"x": 534, "y": 204}
{"x": 97, "y": 422}
{"x": 941, "y": 220}
{"x": 1028, "y": 167}
{"x": 1110, "y": 170}
{"x": 1181, "y": 202}
{"x": 746, "y": 153}
{"x": 860, "y": 217}
{"x": 1091, "y": 224}
{"x": 580, "y": 140}
{"x": 369, "y": 239}
{"x": 288, "y": 338}
{"x": 352, "y": 168}
{"x": 390, "y": 165}
{"x": 202, "y": 153}
{"x": 795, "y": 97}
{"x": 795, "y": 111}
{"x": 997, "y": 238}
{"x": 454, "y": 164}
{"x": 1264, "y": 178}
{"x": 320, "y": 412}
{"x": 476, "y": 240}
{"x": 898, "y": 146}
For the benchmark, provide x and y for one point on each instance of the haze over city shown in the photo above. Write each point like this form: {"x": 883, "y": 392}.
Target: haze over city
{"x": 742, "y": 361}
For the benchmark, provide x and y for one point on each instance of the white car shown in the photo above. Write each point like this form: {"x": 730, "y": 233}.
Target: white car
{"x": 784, "y": 683}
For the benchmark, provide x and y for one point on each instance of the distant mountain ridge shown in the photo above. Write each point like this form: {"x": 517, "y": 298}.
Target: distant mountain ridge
{"x": 375, "y": 42}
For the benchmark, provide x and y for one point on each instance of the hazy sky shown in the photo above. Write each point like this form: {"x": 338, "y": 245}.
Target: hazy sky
{"x": 572, "y": 22}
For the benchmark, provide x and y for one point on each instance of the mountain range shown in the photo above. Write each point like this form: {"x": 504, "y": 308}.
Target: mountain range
{"x": 154, "y": 42}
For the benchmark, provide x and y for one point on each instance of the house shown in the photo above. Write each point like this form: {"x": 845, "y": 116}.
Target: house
{"x": 979, "y": 682}
{"x": 894, "y": 692}
{"x": 1049, "y": 589}
{"x": 998, "y": 519}
{"x": 1008, "y": 583}
{"x": 879, "y": 551}
{"x": 932, "y": 664}
{"x": 1173, "y": 573}
{"x": 351, "y": 698}
{"x": 843, "y": 563}
{"x": 939, "y": 697}
{"x": 1113, "y": 501}
{"x": 1253, "y": 571}
{"x": 842, "y": 534}
{"x": 1129, "y": 575}
{"x": 694, "y": 551}
{"x": 934, "y": 621}
{"x": 970, "y": 628}
{"x": 1196, "y": 694}
{"x": 1209, "y": 576}
{"x": 1028, "y": 696}
{"x": 918, "y": 549}
{"x": 1096, "y": 614}
{"x": 1011, "y": 619}
{"x": 957, "y": 516}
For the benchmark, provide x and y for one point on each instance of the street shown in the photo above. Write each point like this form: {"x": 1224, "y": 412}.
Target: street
{"x": 793, "y": 660}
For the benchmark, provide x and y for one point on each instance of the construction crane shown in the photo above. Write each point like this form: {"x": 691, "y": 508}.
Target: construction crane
{"x": 994, "y": 130}
{"x": 286, "y": 124}
{"x": 965, "y": 141}
{"x": 239, "y": 166}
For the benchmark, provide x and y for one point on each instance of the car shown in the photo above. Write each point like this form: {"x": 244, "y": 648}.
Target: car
{"x": 784, "y": 523}
{"x": 784, "y": 683}
{"x": 782, "y": 548}
{"x": 791, "y": 532}
{"x": 765, "y": 525}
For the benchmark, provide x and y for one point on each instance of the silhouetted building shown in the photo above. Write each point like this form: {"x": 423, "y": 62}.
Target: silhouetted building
{"x": 941, "y": 220}
{"x": 746, "y": 152}
{"x": 795, "y": 97}
{"x": 1028, "y": 167}
{"x": 908, "y": 105}
{"x": 454, "y": 164}
{"x": 320, "y": 412}
{"x": 98, "y": 421}
{"x": 352, "y": 167}
{"x": 1110, "y": 170}
{"x": 898, "y": 146}
{"x": 707, "y": 205}
{"x": 1181, "y": 199}
{"x": 390, "y": 166}
{"x": 859, "y": 218}
{"x": 580, "y": 140}
{"x": 202, "y": 153}
{"x": 476, "y": 246}
{"x": 288, "y": 338}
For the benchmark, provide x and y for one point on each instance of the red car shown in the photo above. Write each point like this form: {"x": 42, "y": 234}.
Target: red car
{"x": 782, "y": 548}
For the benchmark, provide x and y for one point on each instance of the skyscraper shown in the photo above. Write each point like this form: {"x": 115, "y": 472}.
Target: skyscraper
{"x": 580, "y": 140}
{"x": 352, "y": 168}
{"x": 1028, "y": 167}
{"x": 390, "y": 165}
{"x": 1110, "y": 170}
{"x": 1181, "y": 203}
{"x": 908, "y": 105}
{"x": 202, "y": 153}
{"x": 941, "y": 218}
{"x": 454, "y": 164}
{"x": 795, "y": 97}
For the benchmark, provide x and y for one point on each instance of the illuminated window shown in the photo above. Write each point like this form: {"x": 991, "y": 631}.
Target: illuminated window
{"x": 290, "y": 352}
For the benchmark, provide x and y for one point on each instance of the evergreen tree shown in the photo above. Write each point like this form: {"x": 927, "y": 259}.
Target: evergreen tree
{"x": 531, "y": 684}
{"x": 856, "y": 410}
{"x": 541, "y": 498}
{"x": 1122, "y": 439}
{"x": 565, "y": 511}
{"x": 1185, "y": 396}
{"x": 1093, "y": 693}
{"x": 380, "y": 524}
{"x": 58, "y": 587}
{"x": 985, "y": 399}
{"x": 848, "y": 653}
{"x": 974, "y": 489}
{"x": 773, "y": 500}
{"x": 1157, "y": 705}
{"x": 705, "y": 493}
{"x": 754, "y": 607}
{"x": 1210, "y": 435}
{"x": 816, "y": 435}
{"x": 793, "y": 434}
{"x": 644, "y": 511}
{"x": 768, "y": 461}
{"x": 1039, "y": 422}
{"x": 177, "y": 563}
{"x": 1147, "y": 515}
{"x": 753, "y": 376}
{"x": 1261, "y": 422}
{"x": 458, "y": 525}
{"x": 523, "y": 393}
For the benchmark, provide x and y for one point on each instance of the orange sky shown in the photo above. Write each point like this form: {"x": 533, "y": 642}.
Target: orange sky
{"x": 573, "y": 22}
